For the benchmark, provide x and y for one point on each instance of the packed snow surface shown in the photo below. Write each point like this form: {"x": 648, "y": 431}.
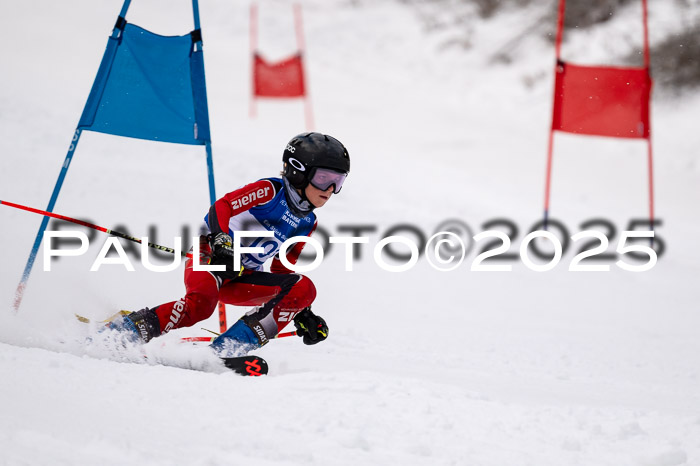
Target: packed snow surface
{"x": 421, "y": 367}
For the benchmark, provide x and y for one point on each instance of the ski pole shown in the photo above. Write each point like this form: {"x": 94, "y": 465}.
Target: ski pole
{"x": 117, "y": 234}
{"x": 91, "y": 225}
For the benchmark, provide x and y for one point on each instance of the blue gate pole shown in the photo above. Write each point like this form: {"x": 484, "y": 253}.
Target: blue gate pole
{"x": 195, "y": 13}
{"x": 19, "y": 294}
{"x": 125, "y": 8}
{"x": 207, "y": 144}
{"x": 210, "y": 172}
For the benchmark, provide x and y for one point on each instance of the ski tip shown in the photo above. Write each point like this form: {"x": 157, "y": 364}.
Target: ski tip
{"x": 85, "y": 320}
{"x": 247, "y": 365}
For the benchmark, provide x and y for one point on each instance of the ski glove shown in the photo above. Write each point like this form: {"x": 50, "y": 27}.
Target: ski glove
{"x": 310, "y": 326}
{"x": 222, "y": 249}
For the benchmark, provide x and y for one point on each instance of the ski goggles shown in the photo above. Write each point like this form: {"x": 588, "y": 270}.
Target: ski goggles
{"x": 324, "y": 178}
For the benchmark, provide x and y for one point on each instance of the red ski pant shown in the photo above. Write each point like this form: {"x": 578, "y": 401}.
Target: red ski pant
{"x": 280, "y": 296}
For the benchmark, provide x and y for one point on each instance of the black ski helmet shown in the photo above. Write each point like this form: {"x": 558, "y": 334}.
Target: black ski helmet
{"x": 307, "y": 151}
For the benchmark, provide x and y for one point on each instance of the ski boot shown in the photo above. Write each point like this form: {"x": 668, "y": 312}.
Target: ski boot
{"x": 137, "y": 327}
{"x": 246, "y": 335}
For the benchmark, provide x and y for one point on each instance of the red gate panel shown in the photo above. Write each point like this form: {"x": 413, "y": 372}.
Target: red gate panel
{"x": 602, "y": 101}
{"x": 280, "y": 79}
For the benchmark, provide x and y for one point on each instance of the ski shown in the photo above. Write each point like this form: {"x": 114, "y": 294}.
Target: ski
{"x": 86, "y": 320}
{"x": 247, "y": 365}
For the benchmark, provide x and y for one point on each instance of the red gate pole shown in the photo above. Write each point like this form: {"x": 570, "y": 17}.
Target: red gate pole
{"x": 550, "y": 149}
{"x": 253, "y": 50}
{"x": 298, "y": 27}
{"x": 222, "y": 317}
{"x": 650, "y": 159}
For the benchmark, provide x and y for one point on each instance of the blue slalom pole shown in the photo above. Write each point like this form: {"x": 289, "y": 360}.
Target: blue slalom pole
{"x": 210, "y": 173}
{"x": 207, "y": 143}
{"x": 195, "y": 13}
{"x": 125, "y": 8}
{"x": 19, "y": 294}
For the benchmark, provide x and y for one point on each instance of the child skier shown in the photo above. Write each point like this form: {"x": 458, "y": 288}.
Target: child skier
{"x": 314, "y": 168}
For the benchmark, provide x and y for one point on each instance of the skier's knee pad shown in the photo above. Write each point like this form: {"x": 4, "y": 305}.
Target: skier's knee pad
{"x": 303, "y": 293}
{"x": 201, "y": 306}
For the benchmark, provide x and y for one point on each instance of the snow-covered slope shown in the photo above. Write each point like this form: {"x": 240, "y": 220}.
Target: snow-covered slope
{"x": 421, "y": 367}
